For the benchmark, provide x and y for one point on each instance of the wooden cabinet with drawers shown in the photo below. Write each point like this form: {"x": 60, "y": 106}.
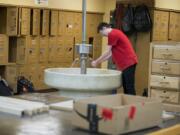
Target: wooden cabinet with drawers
{"x": 164, "y": 73}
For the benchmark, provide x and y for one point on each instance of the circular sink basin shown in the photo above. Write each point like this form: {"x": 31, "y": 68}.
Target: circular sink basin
{"x": 73, "y": 84}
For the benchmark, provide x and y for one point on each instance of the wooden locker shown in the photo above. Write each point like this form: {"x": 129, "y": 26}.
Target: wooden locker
{"x": 61, "y": 23}
{"x": 32, "y": 74}
{"x": 77, "y": 24}
{"x": 12, "y": 21}
{"x": 68, "y": 48}
{"x": 21, "y": 57}
{"x": 3, "y": 18}
{"x": 59, "y": 50}
{"x": 41, "y": 85}
{"x": 43, "y": 49}
{"x": 53, "y": 22}
{"x": 33, "y": 50}
{"x": 3, "y": 49}
{"x": 174, "y": 26}
{"x": 69, "y": 23}
{"x": 24, "y": 21}
{"x": 161, "y": 26}
{"x": 35, "y": 22}
{"x": 44, "y": 22}
{"x": 52, "y": 49}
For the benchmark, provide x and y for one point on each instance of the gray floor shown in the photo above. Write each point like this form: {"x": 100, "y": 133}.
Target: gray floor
{"x": 54, "y": 123}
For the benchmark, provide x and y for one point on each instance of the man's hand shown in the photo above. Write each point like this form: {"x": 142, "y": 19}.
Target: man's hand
{"x": 94, "y": 64}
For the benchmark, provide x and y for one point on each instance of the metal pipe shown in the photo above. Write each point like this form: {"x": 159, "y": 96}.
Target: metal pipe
{"x": 83, "y": 57}
{"x": 84, "y": 21}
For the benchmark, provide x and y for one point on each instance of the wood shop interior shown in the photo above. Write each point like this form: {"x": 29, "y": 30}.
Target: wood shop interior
{"x": 89, "y": 66}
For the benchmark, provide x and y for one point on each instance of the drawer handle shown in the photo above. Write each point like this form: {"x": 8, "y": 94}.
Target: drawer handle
{"x": 164, "y": 82}
{"x": 167, "y": 55}
{"x": 165, "y": 97}
{"x": 166, "y": 69}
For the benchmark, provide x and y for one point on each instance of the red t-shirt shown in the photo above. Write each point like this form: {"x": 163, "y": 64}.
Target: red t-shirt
{"x": 123, "y": 54}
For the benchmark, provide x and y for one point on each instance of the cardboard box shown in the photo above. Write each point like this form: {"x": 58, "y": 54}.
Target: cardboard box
{"x": 53, "y": 22}
{"x": 174, "y": 130}
{"x": 116, "y": 114}
{"x": 35, "y": 22}
{"x": 24, "y": 21}
{"x": 171, "y": 107}
{"x": 12, "y": 21}
{"x": 44, "y": 22}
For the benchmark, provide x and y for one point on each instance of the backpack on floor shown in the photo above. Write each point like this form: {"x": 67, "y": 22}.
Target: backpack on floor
{"x": 24, "y": 85}
{"x": 127, "y": 21}
{"x": 142, "y": 19}
{"x": 5, "y": 90}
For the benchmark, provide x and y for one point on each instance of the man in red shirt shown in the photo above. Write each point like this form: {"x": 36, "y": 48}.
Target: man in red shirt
{"x": 123, "y": 55}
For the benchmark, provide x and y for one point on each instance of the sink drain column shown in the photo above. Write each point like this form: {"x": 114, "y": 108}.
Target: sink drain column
{"x": 84, "y": 49}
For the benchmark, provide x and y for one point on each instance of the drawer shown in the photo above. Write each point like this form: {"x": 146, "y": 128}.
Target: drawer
{"x": 166, "y": 96}
{"x": 166, "y": 67}
{"x": 166, "y": 52}
{"x": 165, "y": 82}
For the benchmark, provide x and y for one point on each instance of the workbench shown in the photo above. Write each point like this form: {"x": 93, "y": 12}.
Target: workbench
{"x": 55, "y": 123}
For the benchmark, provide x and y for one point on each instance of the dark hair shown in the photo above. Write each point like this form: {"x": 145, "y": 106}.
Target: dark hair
{"x": 103, "y": 24}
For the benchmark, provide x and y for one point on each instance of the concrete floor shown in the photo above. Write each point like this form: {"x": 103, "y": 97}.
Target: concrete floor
{"x": 54, "y": 123}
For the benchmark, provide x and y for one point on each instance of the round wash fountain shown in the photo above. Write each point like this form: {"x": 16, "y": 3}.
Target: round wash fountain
{"x": 75, "y": 85}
